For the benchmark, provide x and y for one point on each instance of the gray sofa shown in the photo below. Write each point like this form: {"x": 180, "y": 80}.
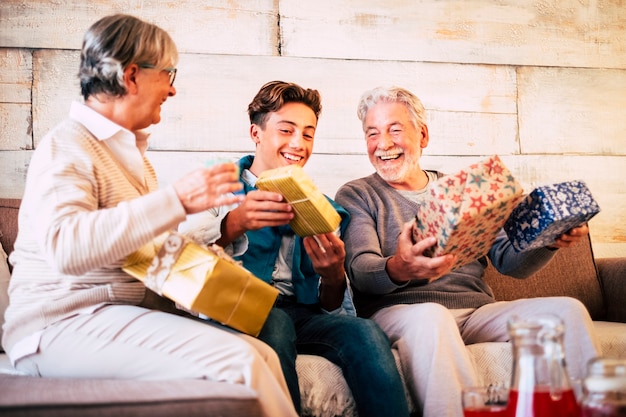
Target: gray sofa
{"x": 600, "y": 284}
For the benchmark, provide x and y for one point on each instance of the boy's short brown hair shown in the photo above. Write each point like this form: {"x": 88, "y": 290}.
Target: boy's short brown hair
{"x": 275, "y": 94}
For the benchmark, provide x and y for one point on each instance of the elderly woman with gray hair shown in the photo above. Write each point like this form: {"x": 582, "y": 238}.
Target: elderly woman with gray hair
{"x": 92, "y": 198}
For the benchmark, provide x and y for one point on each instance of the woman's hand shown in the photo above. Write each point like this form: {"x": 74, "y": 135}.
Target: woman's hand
{"x": 205, "y": 188}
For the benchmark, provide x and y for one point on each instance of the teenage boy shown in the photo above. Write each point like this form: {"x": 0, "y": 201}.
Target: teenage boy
{"x": 313, "y": 313}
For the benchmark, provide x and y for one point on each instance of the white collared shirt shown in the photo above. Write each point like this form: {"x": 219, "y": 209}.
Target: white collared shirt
{"x": 128, "y": 147}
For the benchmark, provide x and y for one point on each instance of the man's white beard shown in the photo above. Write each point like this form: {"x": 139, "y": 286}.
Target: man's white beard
{"x": 397, "y": 174}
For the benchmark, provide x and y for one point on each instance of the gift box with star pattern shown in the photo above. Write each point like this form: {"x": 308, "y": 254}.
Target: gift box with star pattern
{"x": 548, "y": 212}
{"x": 465, "y": 211}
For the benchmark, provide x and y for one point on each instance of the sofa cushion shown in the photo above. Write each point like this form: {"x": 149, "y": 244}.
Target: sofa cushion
{"x": 326, "y": 397}
{"x": 612, "y": 337}
{"x": 493, "y": 362}
{"x": 331, "y": 396}
{"x": 31, "y": 396}
{"x": 572, "y": 272}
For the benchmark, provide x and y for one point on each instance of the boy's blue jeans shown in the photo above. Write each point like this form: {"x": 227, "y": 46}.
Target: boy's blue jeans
{"x": 356, "y": 345}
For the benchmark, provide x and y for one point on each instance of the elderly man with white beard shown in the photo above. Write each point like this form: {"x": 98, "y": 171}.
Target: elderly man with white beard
{"x": 429, "y": 310}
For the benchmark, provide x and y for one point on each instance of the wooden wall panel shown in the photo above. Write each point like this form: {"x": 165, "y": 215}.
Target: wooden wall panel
{"x": 16, "y": 66}
{"x": 512, "y": 32}
{"x": 15, "y": 99}
{"x": 15, "y": 126}
{"x": 55, "y": 86}
{"x": 605, "y": 178}
{"x": 569, "y": 110}
{"x": 13, "y": 169}
{"x": 219, "y": 26}
{"x": 471, "y": 108}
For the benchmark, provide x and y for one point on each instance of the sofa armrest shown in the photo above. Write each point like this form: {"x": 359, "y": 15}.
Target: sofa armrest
{"x": 612, "y": 274}
{"x": 9, "y": 209}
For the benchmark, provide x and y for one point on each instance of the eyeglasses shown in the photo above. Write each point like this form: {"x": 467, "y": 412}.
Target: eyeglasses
{"x": 170, "y": 71}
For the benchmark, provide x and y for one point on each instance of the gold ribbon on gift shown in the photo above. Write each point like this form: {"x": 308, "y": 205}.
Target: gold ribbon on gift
{"x": 203, "y": 280}
{"x": 313, "y": 213}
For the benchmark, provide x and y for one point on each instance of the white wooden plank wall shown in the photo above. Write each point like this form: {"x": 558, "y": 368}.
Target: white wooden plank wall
{"x": 542, "y": 84}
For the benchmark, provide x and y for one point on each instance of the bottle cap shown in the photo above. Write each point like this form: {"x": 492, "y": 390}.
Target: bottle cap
{"x": 606, "y": 374}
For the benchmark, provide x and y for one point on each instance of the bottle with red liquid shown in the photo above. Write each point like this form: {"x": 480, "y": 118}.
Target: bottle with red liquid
{"x": 604, "y": 388}
{"x": 540, "y": 384}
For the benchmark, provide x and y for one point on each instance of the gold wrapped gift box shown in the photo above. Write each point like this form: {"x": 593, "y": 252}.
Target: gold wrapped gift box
{"x": 203, "y": 280}
{"x": 314, "y": 214}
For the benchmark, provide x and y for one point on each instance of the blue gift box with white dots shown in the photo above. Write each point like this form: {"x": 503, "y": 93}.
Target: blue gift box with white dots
{"x": 549, "y": 211}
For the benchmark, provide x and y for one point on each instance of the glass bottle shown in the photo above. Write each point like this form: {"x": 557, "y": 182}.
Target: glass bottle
{"x": 604, "y": 388}
{"x": 540, "y": 385}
